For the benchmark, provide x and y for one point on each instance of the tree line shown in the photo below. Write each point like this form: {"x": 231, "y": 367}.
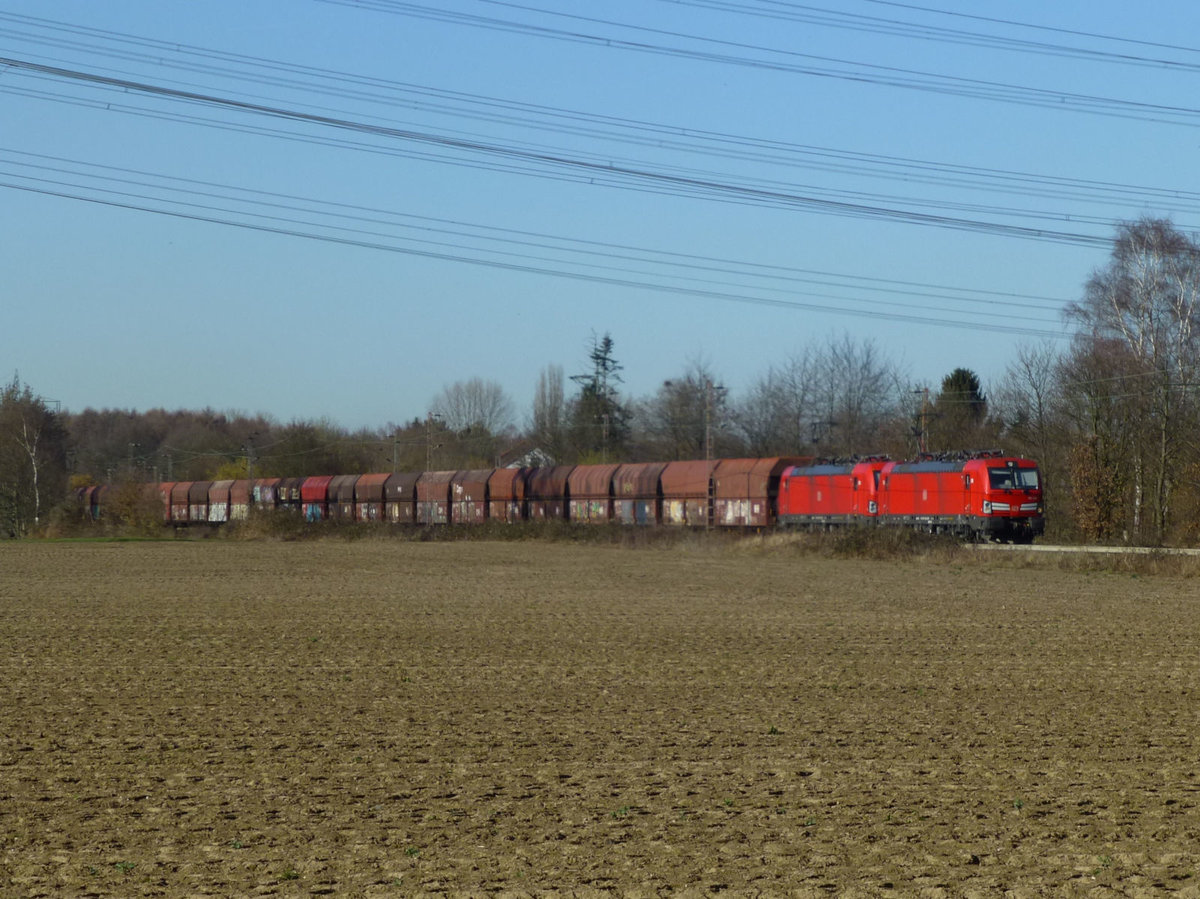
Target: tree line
{"x": 1111, "y": 417}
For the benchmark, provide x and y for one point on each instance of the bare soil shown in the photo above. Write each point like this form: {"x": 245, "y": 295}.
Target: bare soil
{"x": 383, "y": 719}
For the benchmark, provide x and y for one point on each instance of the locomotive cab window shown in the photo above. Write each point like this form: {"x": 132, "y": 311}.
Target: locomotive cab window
{"x": 1013, "y": 478}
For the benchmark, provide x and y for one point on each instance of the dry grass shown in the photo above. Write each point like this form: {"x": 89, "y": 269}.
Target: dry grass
{"x": 873, "y": 544}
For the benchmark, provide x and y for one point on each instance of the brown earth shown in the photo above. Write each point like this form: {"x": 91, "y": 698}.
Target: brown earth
{"x": 385, "y": 719}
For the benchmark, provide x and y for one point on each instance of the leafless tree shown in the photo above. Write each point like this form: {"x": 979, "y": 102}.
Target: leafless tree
{"x": 1024, "y": 405}
{"x": 833, "y": 398}
{"x": 688, "y": 417}
{"x": 775, "y": 415}
{"x": 1147, "y": 300}
{"x": 476, "y": 404}
{"x": 1096, "y": 407}
{"x": 32, "y": 458}
{"x": 858, "y": 389}
{"x": 1023, "y": 400}
{"x": 547, "y": 427}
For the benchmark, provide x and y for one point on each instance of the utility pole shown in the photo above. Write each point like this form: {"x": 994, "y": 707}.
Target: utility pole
{"x": 429, "y": 444}
{"x": 921, "y": 443}
{"x": 710, "y": 391}
{"x": 250, "y": 462}
{"x": 708, "y": 402}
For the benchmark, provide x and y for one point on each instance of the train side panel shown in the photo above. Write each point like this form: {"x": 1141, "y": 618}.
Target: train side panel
{"x": 686, "y": 490}
{"x": 469, "y": 495}
{"x": 830, "y": 493}
{"x": 218, "y": 501}
{"x": 239, "y": 499}
{"x": 433, "y": 497}
{"x": 591, "y": 491}
{"x": 637, "y": 493}
{"x": 197, "y": 502}
{"x": 341, "y": 497}
{"x": 816, "y": 495}
{"x": 927, "y": 494}
{"x": 506, "y": 494}
{"x": 314, "y": 497}
{"x": 400, "y": 497}
{"x": 369, "y": 503}
{"x": 547, "y": 492}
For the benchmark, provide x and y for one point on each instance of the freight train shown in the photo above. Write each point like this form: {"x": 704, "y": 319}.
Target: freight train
{"x": 977, "y": 496}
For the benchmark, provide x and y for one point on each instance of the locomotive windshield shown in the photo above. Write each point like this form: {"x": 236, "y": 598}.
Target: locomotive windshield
{"x": 1013, "y": 478}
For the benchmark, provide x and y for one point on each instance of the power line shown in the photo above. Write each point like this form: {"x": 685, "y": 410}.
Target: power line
{"x": 605, "y": 172}
{"x": 1048, "y": 28}
{"x": 735, "y": 53}
{"x": 622, "y": 254}
{"x": 213, "y": 218}
{"x": 814, "y": 15}
{"x": 646, "y": 134}
{"x": 554, "y": 163}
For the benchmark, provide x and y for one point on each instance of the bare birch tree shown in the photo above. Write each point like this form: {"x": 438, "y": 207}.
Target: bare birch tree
{"x": 1147, "y": 299}
{"x": 32, "y": 459}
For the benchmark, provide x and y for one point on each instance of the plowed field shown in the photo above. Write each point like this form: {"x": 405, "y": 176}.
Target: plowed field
{"x": 388, "y": 719}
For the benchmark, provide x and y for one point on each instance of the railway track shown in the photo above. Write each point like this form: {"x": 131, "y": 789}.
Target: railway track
{"x": 1094, "y": 550}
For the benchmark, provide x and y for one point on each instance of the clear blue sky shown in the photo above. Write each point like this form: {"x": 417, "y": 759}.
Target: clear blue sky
{"x": 728, "y": 180}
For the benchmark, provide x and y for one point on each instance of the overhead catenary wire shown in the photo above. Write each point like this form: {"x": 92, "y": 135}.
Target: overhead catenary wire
{"x": 325, "y": 82}
{"x": 783, "y": 10}
{"x": 684, "y": 264}
{"x": 212, "y": 218}
{"x": 733, "y": 53}
{"x": 1050, "y": 29}
{"x": 746, "y": 193}
{"x": 538, "y": 160}
{"x": 817, "y": 158}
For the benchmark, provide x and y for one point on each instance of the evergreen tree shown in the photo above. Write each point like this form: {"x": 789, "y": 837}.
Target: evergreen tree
{"x": 960, "y": 414}
{"x": 599, "y": 420}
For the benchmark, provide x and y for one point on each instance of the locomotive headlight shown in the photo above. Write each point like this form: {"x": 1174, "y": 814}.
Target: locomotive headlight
{"x": 987, "y": 507}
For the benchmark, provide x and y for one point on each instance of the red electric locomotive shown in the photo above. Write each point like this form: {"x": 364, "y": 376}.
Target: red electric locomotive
{"x": 825, "y": 494}
{"x": 982, "y": 496}
{"x": 985, "y": 496}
